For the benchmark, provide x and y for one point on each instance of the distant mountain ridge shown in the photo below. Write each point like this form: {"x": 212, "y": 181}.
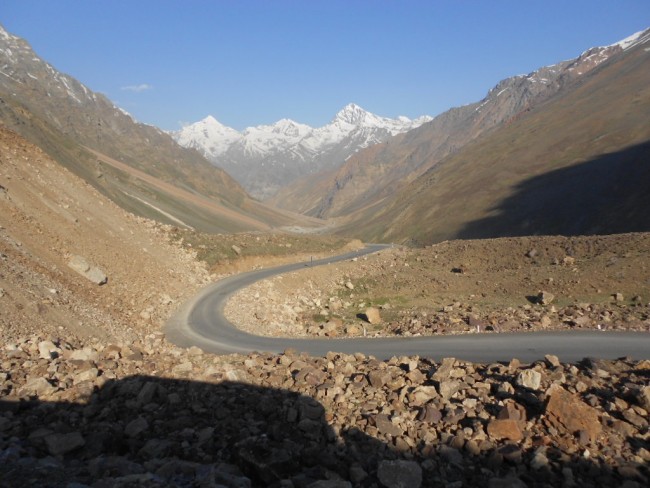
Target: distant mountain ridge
{"x": 83, "y": 130}
{"x": 376, "y": 173}
{"x": 267, "y": 157}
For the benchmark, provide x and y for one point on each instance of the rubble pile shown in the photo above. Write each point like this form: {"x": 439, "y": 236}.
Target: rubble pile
{"x": 151, "y": 414}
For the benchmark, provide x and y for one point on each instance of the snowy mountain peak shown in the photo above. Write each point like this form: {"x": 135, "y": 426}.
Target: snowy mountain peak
{"x": 352, "y": 114}
{"x": 207, "y": 135}
{"x": 290, "y": 128}
{"x": 637, "y": 38}
{"x": 266, "y": 157}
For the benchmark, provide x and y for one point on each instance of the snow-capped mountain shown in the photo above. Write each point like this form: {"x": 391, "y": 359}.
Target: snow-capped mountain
{"x": 208, "y": 136}
{"x": 267, "y": 157}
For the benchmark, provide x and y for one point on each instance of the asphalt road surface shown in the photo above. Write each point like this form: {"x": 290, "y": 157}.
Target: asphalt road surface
{"x": 201, "y": 323}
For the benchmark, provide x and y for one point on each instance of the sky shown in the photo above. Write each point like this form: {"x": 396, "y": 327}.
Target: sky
{"x": 252, "y": 62}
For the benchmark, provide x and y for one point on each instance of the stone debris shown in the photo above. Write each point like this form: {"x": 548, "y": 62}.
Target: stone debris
{"x": 430, "y": 303}
{"x": 150, "y": 414}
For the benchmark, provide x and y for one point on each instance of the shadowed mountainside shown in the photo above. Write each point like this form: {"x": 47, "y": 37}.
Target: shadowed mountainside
{"x": 604, "y": 118}
{"x": 607, "y": 195}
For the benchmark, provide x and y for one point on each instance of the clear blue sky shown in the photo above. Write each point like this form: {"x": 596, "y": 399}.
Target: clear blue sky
{"x": 252, "y": 62}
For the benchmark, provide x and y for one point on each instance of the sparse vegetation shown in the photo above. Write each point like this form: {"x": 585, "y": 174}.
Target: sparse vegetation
{"x": 218, "y": 249}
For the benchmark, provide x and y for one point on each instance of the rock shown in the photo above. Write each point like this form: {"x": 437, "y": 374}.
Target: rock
{"x": 421, "y": 395}
{"x": 266, "y": 462}
{"x": 529, "y": 378}
{"x": 330, "y": 483}
{"x": 511, "y": 452}
{"x": 448, "y": 388}
{"x": 508, "y": 482}
{"x": 443, "y": 371}
{"x": 88, "y": 375}
{"x": 352, "y": 330}
{"x": 545, "y": 298}
{"x": 568, "y": 260}
{"x": 552, "y": 360}
{"x": 643, "y": 397}
{"x": 505, "y": 429}
{"x": 618, "y": 297}
{"x": 539, "y": 459}
{"x": 39, "y": 387}
{"x": 378, "y": 378}
{"x": 567, "y": 413}
{"x": 85, "y": 354}
{"x": 357, "y": 473}
{"x": 623, "y": 428}
{"x": 430, "y": 414}
{"x": 59, "y": 444}
{"x": 450, "y": 455}
{"x": 372, "y": 316}
{"x": 183, "y": 368}
{"x": 400, "y": 474}
{"x": 512, "y": 411}
{"x": 92, "y": 273}
{"x": 349, "y": 285}
{"x": 236, "y": 249}
{"x": 147, "y": 393}
{"x": 136, "y": 427}
{"x": 48, "y": 350}
{"x": 635, "y": 419}
{"x": 386, "y": 427}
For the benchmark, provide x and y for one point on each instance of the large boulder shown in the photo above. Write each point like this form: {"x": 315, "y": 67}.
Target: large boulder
{"x": 91, "y": 273}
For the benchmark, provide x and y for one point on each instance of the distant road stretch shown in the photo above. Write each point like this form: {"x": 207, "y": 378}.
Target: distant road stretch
{"x": 201, "y": 322}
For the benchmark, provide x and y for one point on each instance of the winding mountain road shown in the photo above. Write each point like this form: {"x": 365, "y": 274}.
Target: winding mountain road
{"x": 201, "y": 322}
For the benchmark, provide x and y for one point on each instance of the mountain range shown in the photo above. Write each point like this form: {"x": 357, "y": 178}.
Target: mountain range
{"x": 561, "y": 150}
{"x": 266, "y": 158}
{"x": 369, "y": 176}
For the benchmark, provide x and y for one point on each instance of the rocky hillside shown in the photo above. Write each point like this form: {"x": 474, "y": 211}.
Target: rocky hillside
{"x": 268, "y": 157}
{"x": 84, "y": 131}
{"x": 573, "y": 164}
{"x": 60, "y": 238}
{"x": 378, "y": 172}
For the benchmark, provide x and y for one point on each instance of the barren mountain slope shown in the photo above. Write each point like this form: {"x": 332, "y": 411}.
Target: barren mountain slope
{"x": 575, "y": 164}
{"x": 48, "y": 215}
{"x": 64, "y": 118}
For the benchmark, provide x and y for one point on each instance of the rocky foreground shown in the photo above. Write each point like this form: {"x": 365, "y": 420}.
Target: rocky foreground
{"x": 150, "y": 414}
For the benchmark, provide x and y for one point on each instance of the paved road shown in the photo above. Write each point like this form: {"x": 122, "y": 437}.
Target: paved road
{"x": 201, "y": 323}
